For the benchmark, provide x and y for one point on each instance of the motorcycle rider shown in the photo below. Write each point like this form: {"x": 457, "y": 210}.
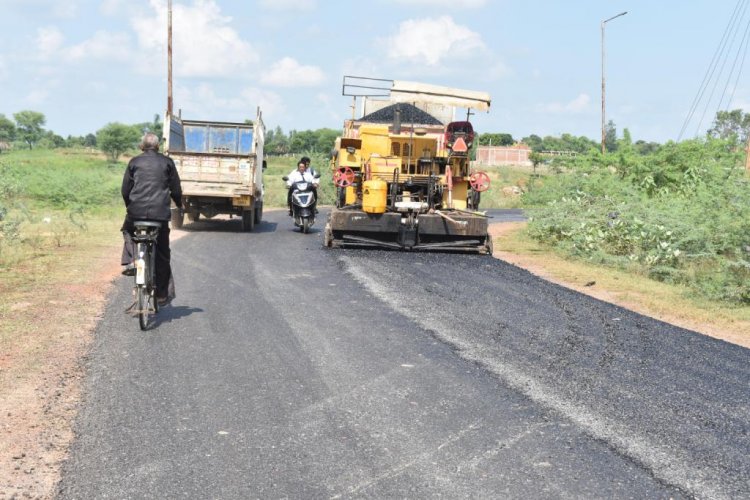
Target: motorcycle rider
{"x": 301, "y": 174}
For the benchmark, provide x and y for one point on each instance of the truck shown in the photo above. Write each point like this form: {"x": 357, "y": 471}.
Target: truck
{"x": 409, "y": 186}
{"x": 220, "y": 166}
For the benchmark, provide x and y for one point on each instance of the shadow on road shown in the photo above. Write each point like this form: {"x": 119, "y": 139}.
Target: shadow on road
{"x": 170, "y": 313}
{"x": 226, "y": 226}
{"x": 265, "y": 227}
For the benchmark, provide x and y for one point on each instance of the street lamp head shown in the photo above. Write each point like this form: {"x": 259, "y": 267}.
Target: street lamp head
{"x": 614, "y": 17}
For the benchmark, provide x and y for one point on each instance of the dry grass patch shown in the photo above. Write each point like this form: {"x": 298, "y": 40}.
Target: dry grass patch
{"x": 51, "y": 293}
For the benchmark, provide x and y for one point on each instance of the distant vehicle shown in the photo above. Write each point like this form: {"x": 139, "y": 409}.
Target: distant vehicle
{"x": 404, "y": 186}
{"x": 221, "y": 168}
{"x": 304, "y": 202}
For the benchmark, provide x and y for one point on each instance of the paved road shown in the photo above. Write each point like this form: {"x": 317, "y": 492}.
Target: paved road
{"x": 287, "y": 370}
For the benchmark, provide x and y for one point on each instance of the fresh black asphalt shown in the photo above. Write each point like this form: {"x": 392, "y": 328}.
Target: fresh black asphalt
{"x": 286, "y": 370}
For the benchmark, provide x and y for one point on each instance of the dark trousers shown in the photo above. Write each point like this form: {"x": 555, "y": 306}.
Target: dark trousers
{"x": 163, "y": 256}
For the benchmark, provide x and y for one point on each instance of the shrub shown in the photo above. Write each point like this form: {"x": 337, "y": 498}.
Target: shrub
{"x": 680, "y": 214}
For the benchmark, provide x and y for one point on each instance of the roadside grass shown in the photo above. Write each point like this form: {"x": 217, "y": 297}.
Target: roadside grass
{"x": 506, "y": 185}
{"x": 44, "y": 294}
{"x": 674, "y": 303}
{"x": 680, "y": 214}
{"x": 59, "y": 223}
{"x": 63, "y": 178}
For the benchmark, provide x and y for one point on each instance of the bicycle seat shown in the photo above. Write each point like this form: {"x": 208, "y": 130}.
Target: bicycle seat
{"x": 147, "y": 224}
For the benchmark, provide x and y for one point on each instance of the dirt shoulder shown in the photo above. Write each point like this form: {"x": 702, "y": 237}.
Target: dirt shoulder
{"x": 42, "y": 356}
{"x": 41, "y": 374}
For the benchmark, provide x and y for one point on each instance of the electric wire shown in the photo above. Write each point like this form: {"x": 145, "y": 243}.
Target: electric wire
{"x": 721, "y": 71}
{"x": 742, "y": 65}
{"x": 709, "y": 71}
{"x": 743, "y": 43}
{"x": 706, "y": 77}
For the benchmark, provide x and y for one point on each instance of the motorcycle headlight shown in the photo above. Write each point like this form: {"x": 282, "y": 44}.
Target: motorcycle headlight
{"x": 302, "y": 186}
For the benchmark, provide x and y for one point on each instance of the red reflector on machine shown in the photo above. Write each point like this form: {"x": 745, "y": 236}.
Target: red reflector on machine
{"x": 459, "y": 146}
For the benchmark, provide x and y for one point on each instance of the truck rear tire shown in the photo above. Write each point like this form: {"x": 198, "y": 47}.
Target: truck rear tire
{"x": 177, "y": 219}
{"x": 258, "y": 212}
{"x": 193, "y": 216}
{"x": 248, "y": 220}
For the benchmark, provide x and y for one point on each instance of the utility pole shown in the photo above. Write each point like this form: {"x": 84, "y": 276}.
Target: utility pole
{"x": 169, "y": 58}
{"x": 604, "y": 133}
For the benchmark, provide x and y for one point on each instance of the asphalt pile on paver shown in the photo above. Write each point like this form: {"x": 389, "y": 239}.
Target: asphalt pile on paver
{"x": 409, "y": 114}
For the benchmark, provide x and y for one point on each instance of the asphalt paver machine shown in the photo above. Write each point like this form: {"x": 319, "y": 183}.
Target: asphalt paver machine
{"x": 404, "y": 178}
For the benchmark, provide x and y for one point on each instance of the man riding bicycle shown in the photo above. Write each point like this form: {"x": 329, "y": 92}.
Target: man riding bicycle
{"x": 149, "y": 181}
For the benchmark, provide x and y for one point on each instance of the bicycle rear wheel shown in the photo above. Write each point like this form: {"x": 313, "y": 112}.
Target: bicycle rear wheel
{"x": 143, "y": 306}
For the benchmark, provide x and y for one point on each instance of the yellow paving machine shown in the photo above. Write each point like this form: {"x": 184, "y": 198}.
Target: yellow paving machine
{"x": 403, "y": 176}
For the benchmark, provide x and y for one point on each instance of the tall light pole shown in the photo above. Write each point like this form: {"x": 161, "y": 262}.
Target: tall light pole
{"x": 604, "y": 133}
{"x": 169, "y": 59}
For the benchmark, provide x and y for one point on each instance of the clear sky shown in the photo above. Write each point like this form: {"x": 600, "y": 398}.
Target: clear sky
{"x": 85, "y": 63}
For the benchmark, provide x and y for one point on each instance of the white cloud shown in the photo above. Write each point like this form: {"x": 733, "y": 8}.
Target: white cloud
{"x": 287, "y": 72}
{"x": 203, "y": 102}
{"x": 287, "y": 4}
{"x": 110, "y": 7}
{"x": 48, "y": 41}
{"x": 103, "y": 45}
{"x": 203, "y": 42}
{"x": 432, "y": 40}
{"x": 577, "y": 105}
{"x": 456, "y": 4}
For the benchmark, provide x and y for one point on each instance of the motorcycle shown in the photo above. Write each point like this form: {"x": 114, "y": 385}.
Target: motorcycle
{"x": 303, "y": 204}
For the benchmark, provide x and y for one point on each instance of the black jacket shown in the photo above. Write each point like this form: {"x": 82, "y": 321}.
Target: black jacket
{"x": 148, "y": 182}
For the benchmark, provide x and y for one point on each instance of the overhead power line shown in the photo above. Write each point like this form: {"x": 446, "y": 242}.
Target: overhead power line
{"x": 715, "y": 71}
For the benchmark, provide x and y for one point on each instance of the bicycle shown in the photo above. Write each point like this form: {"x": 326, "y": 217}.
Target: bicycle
{"x": 144, "y": 239}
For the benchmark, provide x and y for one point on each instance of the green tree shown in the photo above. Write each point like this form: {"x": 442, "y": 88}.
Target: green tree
{"x": 7, "y": 129}
{"x": 156, "y": 126}
{"x": 72, "y": 141}
{"x": 610, "y": 137}
{"x": 534, "y": 142}
{"x": 29, "y": 126}
{"x": 626, "y": 143}
{"x": 277, "y": 142}
{"x": 731, "y": 125}
{"x": 646, "y": 148}
{"x": 303, "y": 141}
{"x": 326, "y": 139}
{"x": 493, "y": 139}
{"x": 51, "y": 140}
{"x": 89, "y": 140}
{"x": 116, "y": 138}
